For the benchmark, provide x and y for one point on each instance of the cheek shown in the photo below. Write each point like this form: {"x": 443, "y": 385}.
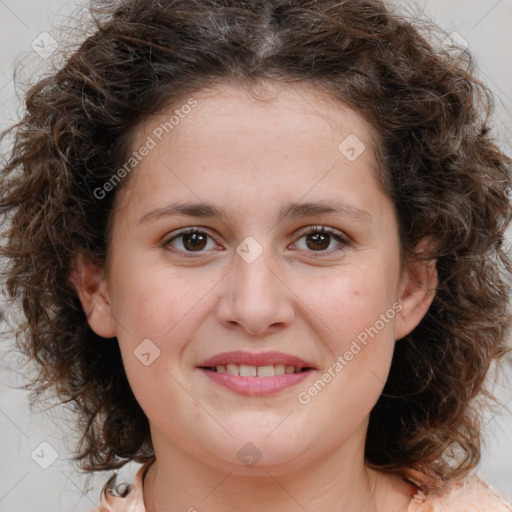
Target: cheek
{"x": 157, "y": 312}
{"x": 351, "y": 303}
{"x": 154, "y": 299}
{"x": 359, "y": 310}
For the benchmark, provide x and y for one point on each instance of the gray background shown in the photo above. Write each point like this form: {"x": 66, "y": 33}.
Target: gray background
{"x": 24, "y": 484}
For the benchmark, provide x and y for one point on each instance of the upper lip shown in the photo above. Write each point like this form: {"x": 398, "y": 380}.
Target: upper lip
{"x": 255, "y": 359}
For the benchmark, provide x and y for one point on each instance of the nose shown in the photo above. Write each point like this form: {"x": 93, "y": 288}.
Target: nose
{"x": 255, "y": 298}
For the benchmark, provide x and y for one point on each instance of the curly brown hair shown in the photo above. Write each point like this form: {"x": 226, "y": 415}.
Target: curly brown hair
{"x": 437, "y": 161}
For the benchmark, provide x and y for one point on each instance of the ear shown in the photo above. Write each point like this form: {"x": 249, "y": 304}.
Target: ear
{"x": 416, "y": 291}
{"x": 89, "y": 281}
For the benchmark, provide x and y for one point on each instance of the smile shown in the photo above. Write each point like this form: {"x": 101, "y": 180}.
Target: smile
{"x": 244, "y": 370}
{"x": 256, "y": 374}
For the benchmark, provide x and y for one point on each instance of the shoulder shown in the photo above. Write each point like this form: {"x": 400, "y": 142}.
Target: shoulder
{"x": 119, "y": 496}
{"x": 467, "y": 495}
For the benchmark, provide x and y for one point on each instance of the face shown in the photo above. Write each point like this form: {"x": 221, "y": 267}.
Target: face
{"x": 254, "y": 281}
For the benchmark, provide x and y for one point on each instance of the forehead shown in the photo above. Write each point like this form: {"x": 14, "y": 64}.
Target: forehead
{"x": 239, "y": 135}
{"x": 227, "y": 106}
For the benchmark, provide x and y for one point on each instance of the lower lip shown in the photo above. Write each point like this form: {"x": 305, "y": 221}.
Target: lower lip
{"x": 256, "y": 386}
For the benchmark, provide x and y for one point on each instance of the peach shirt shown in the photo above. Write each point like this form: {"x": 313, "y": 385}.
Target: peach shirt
{"x": 468, "y": 495}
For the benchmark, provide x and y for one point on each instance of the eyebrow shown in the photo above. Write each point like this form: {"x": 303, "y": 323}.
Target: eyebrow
{"x": 293, "y": 210}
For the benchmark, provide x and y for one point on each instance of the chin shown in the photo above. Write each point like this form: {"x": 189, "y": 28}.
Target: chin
{"x": 260, "y": 453}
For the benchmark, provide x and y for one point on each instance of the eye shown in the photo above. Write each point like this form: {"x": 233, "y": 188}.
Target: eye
{"x": 322, "y": 239}
{"x": 191, "y": 240}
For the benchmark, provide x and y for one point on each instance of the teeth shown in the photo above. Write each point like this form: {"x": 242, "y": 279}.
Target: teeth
{"x": 264, "y": 371}
{"x": 245, "y": 370}
{"x": 233, "y": 369}
{"x": 279, "y": 369}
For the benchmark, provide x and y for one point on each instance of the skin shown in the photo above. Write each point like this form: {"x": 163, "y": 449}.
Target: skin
{"x": 252, "y": 158}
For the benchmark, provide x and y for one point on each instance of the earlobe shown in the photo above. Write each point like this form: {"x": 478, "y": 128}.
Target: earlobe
{"x": 90, "y": 284}
{"x": 417, "y": 290}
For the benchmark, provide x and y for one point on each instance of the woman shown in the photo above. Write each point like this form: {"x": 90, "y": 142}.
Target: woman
{"x": 260, "y": 246}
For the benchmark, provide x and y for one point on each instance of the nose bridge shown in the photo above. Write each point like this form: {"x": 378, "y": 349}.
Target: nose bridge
{"x": 254, "y": 274}
{"x": 255, "y": 298}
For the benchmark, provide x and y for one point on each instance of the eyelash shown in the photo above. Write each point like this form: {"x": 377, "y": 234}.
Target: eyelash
{"x": 340, "y": 238}
{"x": 344, "y": 242}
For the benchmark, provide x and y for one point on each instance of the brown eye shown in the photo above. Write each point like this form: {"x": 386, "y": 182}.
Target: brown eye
{"x": 194, "y": 241}
{"x": 322, "y": 239}
{"x": 318, "y": 241}
{"x": 190, "y": 240}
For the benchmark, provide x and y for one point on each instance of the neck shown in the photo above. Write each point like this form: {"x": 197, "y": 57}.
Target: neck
{"x": 339, "y": 481}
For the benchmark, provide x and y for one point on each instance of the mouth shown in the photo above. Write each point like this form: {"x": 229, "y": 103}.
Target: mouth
{"x": 256, "y": 364}
{"x": 256, "y": 374}
{"x": 244, "y": 370}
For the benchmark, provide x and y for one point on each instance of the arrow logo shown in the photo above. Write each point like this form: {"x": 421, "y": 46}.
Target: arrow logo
{"x": 249, "y": 249}
{"x": 146, "y": 352}
{"x": 351, "y": 147}
{"x": 454, "y": 455}
{"x": 44, "y": 455}
{"x": 249, "y": 455}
